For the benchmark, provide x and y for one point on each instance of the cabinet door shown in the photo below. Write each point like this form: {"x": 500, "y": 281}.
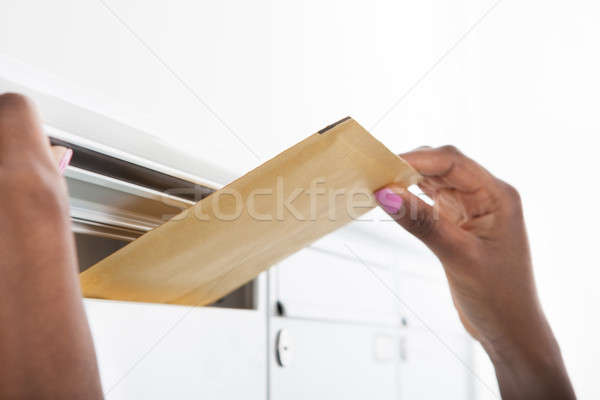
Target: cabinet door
{"x": 436, "y": 365}
{"x": 148, "y": 351}
{"x": 321, "y": 284}
{"x": 335, "y": 361}
{"x": 356, "y": 274}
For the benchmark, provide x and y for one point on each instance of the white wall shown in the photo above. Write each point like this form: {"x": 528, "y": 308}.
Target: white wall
{"x": 519, "y": 93}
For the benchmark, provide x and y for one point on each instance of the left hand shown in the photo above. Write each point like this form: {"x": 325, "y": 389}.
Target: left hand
{"x": 45, "y": 342}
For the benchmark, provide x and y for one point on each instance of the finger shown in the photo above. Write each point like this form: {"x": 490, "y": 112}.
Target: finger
{"x": 21, "y": 135}
{"x": 423, "y": 221}
{"x": 429, "y": 187}
{"x": 62, "y": 157}
{"x": 447, "y": 167}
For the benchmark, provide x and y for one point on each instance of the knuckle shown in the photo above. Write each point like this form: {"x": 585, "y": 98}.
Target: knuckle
{"x": 512, "y": 192}
{"x": 512, "y": 197}
{"x": 14, "y": 101}
{"x": 450, "y": 149}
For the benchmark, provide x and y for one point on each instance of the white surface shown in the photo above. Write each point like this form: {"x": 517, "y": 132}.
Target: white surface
{"x": 88, "y": 51}
{"x": 357, "y": 274}
{"x": 437, "y": 367}
{"x": 519, "y": 93}
{"x": 346, "y": 361}
{"x": 316, "y": 284}
{"x": 333, "y": 361}
{"x": 149, "y": 351}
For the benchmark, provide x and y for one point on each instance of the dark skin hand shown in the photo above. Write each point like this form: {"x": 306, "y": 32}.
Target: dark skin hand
{"x": 477, "y": 231}
{"x": 45, "y": 342}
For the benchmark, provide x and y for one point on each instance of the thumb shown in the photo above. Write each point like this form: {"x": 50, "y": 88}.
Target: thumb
{"x": 421, "y": 220}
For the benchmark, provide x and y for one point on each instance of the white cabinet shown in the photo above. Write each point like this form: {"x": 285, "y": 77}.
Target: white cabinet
{"x": 369, "y": 315}
{"x": 356, "y": 361}
{"x": 148, "y": 351}
{"x": 335, "y": 361}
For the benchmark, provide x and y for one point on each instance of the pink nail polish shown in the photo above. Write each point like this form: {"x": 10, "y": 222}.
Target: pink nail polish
{"x": 389, "y": 200}
{"x": 65, "y": 160}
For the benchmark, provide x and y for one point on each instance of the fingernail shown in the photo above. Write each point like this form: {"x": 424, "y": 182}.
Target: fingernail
{"x": 389, "y": 200}
{"x": 65, "y": 160}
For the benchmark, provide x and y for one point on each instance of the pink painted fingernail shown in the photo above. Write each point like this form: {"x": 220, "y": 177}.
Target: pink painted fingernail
{"x": 65, "y": 160}
{"x": 389, "y": 200}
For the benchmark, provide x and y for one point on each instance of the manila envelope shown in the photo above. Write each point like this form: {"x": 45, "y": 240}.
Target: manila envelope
{"x": 228, "y": 238}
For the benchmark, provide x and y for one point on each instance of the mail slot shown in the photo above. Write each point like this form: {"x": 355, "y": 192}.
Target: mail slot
{"x": 113, "y": 202}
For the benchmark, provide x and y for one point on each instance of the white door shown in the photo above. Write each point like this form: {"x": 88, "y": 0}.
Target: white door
{"x": 331, "y": 360}
{"x": 148, "y": 351}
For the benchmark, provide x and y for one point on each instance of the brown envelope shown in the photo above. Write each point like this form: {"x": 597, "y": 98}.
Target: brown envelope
{"x": 228, "y": 238}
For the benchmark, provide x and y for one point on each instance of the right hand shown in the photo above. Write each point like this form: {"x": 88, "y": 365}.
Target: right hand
{"x": 477, "y": 230}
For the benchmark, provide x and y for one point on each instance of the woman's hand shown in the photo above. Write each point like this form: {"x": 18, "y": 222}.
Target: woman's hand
{"x": 45, "y": 342}
{"x": 476, "y": 229}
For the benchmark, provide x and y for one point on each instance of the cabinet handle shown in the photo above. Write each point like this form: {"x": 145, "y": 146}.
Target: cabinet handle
{"x": 284, "y": 348}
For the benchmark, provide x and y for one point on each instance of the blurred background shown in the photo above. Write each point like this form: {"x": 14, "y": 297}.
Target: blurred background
{"x": 515, "y": 85}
